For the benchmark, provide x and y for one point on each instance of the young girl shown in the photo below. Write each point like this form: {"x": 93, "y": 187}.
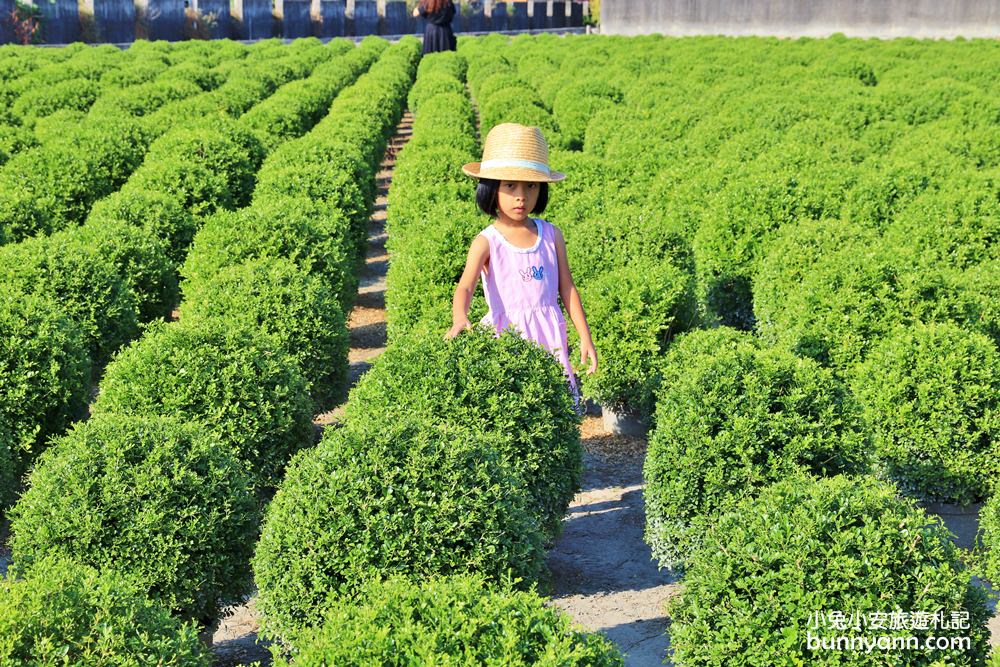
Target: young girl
{"x": 522, "y": 260}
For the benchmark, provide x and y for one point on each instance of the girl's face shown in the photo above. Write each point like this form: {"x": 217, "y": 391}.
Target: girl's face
{"x": 516, "y": 199}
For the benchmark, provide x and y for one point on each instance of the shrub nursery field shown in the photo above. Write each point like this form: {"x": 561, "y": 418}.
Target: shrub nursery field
{"x": 789, "y": 256}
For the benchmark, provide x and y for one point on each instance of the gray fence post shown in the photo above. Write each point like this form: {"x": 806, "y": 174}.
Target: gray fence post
{"x": 539, "y": 15}
{"x": 253, "y": 19}
{"x": 60, "y": 21}
{"x": 365, "y": 19}
{"x": 395, "y": 21}
{"x": 331, "y": 16}
{"x": 220, "y": 8}
{"x": 498, "y": 16}
{"x": 294, "y": 18}
{"x": 113, "y": 19}
{"x": 163, "y": 19}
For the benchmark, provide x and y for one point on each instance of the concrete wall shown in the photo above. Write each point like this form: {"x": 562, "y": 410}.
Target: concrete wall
{"x": 798, "y": 18}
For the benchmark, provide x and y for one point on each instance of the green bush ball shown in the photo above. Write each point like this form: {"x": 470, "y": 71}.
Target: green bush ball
{"x": 234, "y": 378}
{"x": 806, "y": 547}
{"x": 86, "y": 282}
{"x": 160, "y": 213}
{"x": 502, "y": 384}
{"x": 731, "y": 418}
{"x": 66, "y": 613}
{"x": 282, "y": 299}
{"x": 46, "y": 372}
{"x": 931, "y": 396}
{"x": 396, "y": 497}
{"x": 314, "y": 236}
{"x": 161, "y": 501}
{"x": 460, "y": 619}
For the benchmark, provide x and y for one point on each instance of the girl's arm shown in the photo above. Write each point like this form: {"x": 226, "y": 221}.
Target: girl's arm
{"x": 571, "y": 299}
{"x": 479, "y": 252}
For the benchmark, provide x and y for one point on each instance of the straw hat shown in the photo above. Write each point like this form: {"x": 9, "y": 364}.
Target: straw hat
{"x": 514, "y": 152}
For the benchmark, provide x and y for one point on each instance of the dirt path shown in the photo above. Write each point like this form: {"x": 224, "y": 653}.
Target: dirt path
{"x": 602, "y": 572}
{"x": 235, "y": 640}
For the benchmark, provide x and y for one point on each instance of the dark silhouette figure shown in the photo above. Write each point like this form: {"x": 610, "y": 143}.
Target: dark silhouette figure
{"x": 438, "y": 35}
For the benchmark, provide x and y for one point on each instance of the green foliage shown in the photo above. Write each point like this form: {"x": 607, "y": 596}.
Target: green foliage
{"x": 45, "y": 370}
{"x": 397, "y": 496}
{"x": 316, "y": 236}
{"x": 157, "y": 212}
{"x": 68, "y": 613}
{"x": 577, "y": 103}
{"x": 160, "y": 501}
{"x": 633, "y": 313}
{"x": 449, "y": 621}
{"x": 87, "y": 283}
{"x": 930, "y": 396}
{"x": 279, "y": 297}
{"x": 731, "y": 418}
{"x": 808, "y": 547}
{"x": 141, "y": 261}
{"x": 504, "y": 385}
{"x": 235, "y": 379}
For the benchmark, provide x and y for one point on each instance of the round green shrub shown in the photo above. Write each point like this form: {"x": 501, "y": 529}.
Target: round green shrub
{"x": 577, "y": 103}
{"x": 298, "y": 309}
{"x": 315, "y": 236}
{"x": 158, "y": 212}
{"x": 141, "y": 259}
{"x": 194, "y": 186}
{"x": 86, "y": 282}
{"x": 45, "y": 369}
{"x": 234, "y": 378}
{"x": 431, "y": 85}
{"x": 931, "y": 396}
{"x": 805, "y": 548}
{"x": 227, "y": 149}
{"x": 70, "y": 614}
{"x": 162, "y": 502}
{"x": 634, "y": 312}
{"x": 401, "y": 496}
{"x": 449, "y": 621}
{"x": 731, "y": 418}
{"x": 504, "y": 384}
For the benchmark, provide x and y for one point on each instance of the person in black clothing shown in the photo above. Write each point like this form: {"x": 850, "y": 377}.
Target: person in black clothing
{"x": 438, "y": 35}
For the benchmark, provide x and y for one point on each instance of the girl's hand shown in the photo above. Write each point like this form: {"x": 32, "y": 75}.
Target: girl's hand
{"x": 587, "y": 350}
{"x": 416, "y": 10}
{"x": 457, "y": 328}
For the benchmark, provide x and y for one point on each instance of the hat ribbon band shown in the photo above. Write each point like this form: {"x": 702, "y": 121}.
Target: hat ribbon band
{"x": 512, "y": 162}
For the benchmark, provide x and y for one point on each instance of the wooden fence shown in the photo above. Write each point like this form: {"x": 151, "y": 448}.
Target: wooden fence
{"x": 123, "y": 21}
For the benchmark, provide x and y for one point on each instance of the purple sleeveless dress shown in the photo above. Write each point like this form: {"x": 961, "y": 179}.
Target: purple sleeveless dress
{"x": 522, "y": 289}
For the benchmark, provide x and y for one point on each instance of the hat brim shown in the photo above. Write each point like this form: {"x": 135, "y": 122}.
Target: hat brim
{"x": 511, "y": 173}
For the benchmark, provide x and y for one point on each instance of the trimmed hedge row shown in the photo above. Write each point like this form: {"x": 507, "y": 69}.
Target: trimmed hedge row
{"x": 159, "y": 501}
{"x": 135, "y": 481}
{"x": 68, "y": 613}
{"x": 449, "y": 620}
{"x": 782, "y": 563}
{"x": 732, "y": 418}
{"x": 432, "y": 216}
{"x": 466, "y": 469}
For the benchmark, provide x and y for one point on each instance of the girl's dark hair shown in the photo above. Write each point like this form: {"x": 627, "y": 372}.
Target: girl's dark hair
{"x": 486, "y": 197}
